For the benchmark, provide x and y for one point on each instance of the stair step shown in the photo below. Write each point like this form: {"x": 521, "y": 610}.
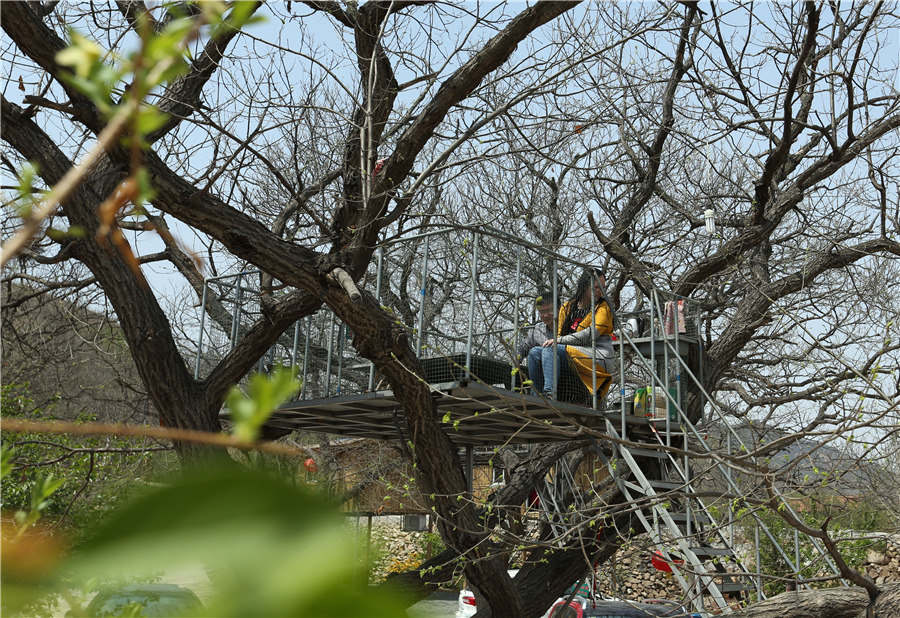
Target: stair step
{"x": 681, "y": 518}
{"x": 645, "y": 452}
{"x": 734, "y": 586}
{"x": 636, "y": 422}
{"x": 666, "y": 485}
{"x": 669, "y": 485}
{"x": 707, "y": 551}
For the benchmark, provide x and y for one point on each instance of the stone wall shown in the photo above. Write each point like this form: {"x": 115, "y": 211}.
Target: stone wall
{"x": 393, "y": 549}
{"x": 629, "y": 574}
{"x": 884, "y": 567}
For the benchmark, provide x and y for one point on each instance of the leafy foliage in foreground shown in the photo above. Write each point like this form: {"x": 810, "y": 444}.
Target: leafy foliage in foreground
{"x": 95, "y": 473}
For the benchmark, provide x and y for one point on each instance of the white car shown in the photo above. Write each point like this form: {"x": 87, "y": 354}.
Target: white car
{"x": 466, "y": 603}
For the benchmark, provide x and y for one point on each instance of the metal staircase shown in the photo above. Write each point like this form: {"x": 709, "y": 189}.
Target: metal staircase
{"x": 680, "y": 524}
{"x": 465, "y": 330}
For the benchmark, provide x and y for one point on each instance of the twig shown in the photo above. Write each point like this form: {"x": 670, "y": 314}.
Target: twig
{"x": 184, "y": 435}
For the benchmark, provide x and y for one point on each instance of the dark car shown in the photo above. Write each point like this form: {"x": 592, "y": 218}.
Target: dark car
{"x": 615, "y": 609}
{"x": 153, "y": 599}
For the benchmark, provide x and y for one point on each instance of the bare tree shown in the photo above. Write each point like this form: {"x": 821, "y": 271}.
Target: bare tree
{"x": 299, "y": 155}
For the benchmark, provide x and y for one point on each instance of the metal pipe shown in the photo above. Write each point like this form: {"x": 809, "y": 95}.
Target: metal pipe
{"x": 236, "y": 314}
{"x": 652, "y": 394}
{"x": 759, "y": 590}
{"x": 593, "y": 324}
{"x": 378, "y": 275}
{"x": 202, "y": 324}
{"x": 422, "y": 286}
{"x": 296, "y": 343}
{"x": 472, "y": 302}
{"x": 340, "y": 371}
{"x": 555, "y": 367}
{"x": 666, "y": 379}
{"x": 515, "y": 339}
{"x": 304, "y": 389}
{"x": 470, "y": 469}
{"x": 330, "y": 356}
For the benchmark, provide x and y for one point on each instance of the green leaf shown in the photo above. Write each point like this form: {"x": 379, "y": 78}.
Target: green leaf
{"x": 82, "y": 55}
{"x": 149, "y": 119}
{"x": 6, "y": 461}
{"x": 264, "y": 394}
{"x": 273, "y": 549}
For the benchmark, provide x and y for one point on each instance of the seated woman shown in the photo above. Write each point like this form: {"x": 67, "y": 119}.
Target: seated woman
{"x": 581, "y": 334}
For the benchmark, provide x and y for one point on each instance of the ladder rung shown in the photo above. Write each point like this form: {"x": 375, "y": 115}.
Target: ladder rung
{"x": 670, "y": 485}
{"x": 616, "y": 418}
{"x": 667, "y": 485}
{"x": 734, "y": 586}
{"x": 712, "y": 551}
{"x": 645, "y": 452}
{"x": 682, "y": 518}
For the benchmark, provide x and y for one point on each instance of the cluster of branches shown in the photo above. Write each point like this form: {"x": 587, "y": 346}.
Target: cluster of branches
{"x": 612, "y": 126}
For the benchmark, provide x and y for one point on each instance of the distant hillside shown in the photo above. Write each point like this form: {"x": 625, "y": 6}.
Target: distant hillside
{"x": 72, "y": 357}
{"x": 808, "y": 462}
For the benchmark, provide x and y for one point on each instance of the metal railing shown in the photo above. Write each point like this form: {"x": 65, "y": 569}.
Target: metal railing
{"x": 467, "y": 298}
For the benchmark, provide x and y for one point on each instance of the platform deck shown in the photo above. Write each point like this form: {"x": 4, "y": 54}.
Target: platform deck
{"x": 471, "y": 413}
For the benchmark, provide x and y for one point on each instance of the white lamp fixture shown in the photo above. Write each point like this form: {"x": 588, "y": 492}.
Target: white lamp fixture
{"x": 710, "y": 217}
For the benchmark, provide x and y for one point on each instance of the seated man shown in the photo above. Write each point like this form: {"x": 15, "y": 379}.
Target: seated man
{"x": 540, "y": 332}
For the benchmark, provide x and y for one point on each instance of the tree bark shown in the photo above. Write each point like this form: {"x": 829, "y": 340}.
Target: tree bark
{"x": 830, "y": 603}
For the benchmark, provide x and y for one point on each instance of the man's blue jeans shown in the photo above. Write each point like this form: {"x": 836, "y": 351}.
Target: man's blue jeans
{"x": 540, "y": 367}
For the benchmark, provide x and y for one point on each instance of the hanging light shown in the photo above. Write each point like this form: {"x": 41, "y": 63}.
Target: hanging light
{"x": 710, "y": 217}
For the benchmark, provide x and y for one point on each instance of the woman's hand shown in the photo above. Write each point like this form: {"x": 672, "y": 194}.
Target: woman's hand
{"x": 547, "y": 343}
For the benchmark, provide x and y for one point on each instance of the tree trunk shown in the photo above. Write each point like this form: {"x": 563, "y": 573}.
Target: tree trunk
{"x": 831, "y": 603}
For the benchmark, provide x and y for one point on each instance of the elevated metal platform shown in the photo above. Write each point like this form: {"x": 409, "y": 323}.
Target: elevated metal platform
{"x": 471, "y": 413}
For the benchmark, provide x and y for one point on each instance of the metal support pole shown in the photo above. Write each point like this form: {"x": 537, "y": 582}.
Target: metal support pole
{"x": 555, "y": 367}
{"x": 330, "y": 356}
{"x": 687, "y": 477}
{"x": 200, "y": 338}
{"x": 622, "y": 387}
{"x": 653, "y": 334}
{"x": 594, "y": 280}
{"x": 758, "y": 562}
{"x": 236, "y": 315}
{"x": 341, "y": 330}
{"x": 420, "y": 328}
{"x": 515, "y": 339}
{"x": 378, "y": 275}
{"x": 665, "y": 366}
{"x": 304, "y": 390}
{"x": 731, "y": 504}
{"x": 296, "y": 343}
{"x": 476, "y": 237}
{"x": 470, "y": 469}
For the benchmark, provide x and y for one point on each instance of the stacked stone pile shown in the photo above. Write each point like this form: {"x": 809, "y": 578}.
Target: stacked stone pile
{"x": 884, "y": 567}
{"x": 393, "y": 548}
{"x": 631, "y": 576}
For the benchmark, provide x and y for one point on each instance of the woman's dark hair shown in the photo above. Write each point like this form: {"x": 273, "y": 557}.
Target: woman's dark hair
{"x": 585, "y": 281}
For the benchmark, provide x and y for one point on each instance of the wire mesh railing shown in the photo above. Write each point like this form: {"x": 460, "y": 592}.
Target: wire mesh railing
{"x": 468, "y": 299}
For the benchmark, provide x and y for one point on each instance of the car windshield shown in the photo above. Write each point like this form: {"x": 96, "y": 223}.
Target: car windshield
{"x": 154, "y": 600}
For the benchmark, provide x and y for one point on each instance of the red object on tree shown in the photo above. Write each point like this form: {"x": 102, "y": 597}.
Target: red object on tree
{"x": 661, "y": 564}
{"x": 310, "y": 465}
